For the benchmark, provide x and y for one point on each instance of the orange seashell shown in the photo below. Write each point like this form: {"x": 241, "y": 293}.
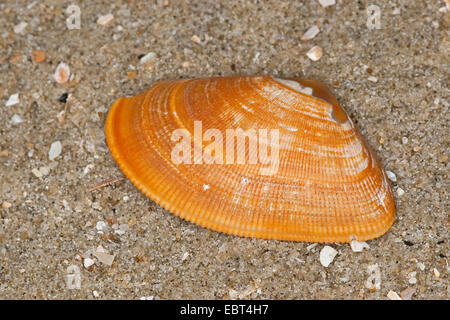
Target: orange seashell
{"x": 326, "y": 184}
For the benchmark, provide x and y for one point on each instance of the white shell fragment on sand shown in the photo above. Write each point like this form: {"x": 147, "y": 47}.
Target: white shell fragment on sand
{"x": 315, "y": 53}
{"x": 55, "y": 150}
{"x": 392, "y": 295}
{"x": 88, "y": 262}
{"x": 327, "y": 255}
{"x": 327, "y": 3}
{"x": 16, "y": 119}
{"x": 148, "y": 57}
{"x": 391, "y": 176}
{"x": 13, "y": 100}
{"x": 400, "y": 192}
{"x": 103, "y": 256}
{"x": 358, "y": 246}
{"x": 311, "y": 33}
{"x": 19, "y": 28}
{"x": 62, "y": 73}
{"x": 104, "y": 20}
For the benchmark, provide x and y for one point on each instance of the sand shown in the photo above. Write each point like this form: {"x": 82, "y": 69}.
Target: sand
{"x": 393, "y": 82}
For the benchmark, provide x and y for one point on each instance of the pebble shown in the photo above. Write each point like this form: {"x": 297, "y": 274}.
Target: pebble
{"x": 88, "y": 262}
{"x": 327, "y": 255}
{"x": 16, "y": 119}
{"x": 373, "y": 79}
{"x": 104, "y": 20}
{"x": 62, "y": 73}
{"x": 196, "y": 39}
{"x": 400, "y": 192}
{"x": 391, "y": 176}
{"x": 392, "y": 295}
{"x": 412, "y": 277}
{"x": 185, "y": 256}
{"x": 95, "y": 293}
{"x": 358, "y": 246}
{"x": 100, "y": 226}
{"x": 13, "y": 100}
{"x": 19, "y": 28}
{"x": 311, "y": 246}
{"x": 421, "y": 266}
{"x": 37, "y": 173}
{"x": 327, "y": 3}
{"x": 404, "y": 140}
{"x": 103, "y": 256}
{"x": 315, "y": 53}
{"x": 311, "y": 33}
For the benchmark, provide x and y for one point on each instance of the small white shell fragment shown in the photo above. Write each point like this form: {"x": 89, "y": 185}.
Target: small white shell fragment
{"x": 400, "y": 192}
{"x": 391, "y": 176}
{"x": 358, "y": 246}
{"x": 55, "y": 150}
{"x": 421, "y": 266}
{"x": 104, "y": 20}
{"x": 405, "y": 140}
{"x": 374, "y": 279}
{"x": 37, "y": 173}
{"x": 19, "y": 28}
{"x": 103, "y": 256}
{"x": 196, "y": 39}
{"x": 13, "y": 99}
{"x": 373, "y": 79}
{"x": 327, "y": 255}
{"x": 100, "y": 226}
{"x": 185, "y": 256}
{"x": 436, "y": 273}
{"x": 392, "y": 295}
{"x": 315, "y": 53}
{"x": 148, "y": 57}
{"x": 311, "y": 33}
{"x": 16, "y": 119}
{"x": 88, "y": 262}
{"x": 95, "y": 293}
{"x": 62, "y": 73}
{"x": 327, "y": 3}
{"x": 311, "y": 246}
{"x": 407, "y": 293}
{"x": 44, "y": 170}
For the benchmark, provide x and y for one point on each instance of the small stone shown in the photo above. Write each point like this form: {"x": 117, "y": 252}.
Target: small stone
{"x": 327, "y": 3}
{"x": 13, "y": 100}
{"x": 16, "y": 119}
{"x": 392, "y": 295}
{"x": 311, "y": 33}
{"x": 407, "y": 293}
{"x": 315, "y": 53}
{"x": 421, "y": 266}
{"x": 373, "y": 79}
{"x": 400, "y": 192}
{"x": 404, "y": 140}
{"x": 358, "y": 246}
{"x": 149, "y": 57}
{"x": 126, "y": 198}
{"x": 38, "y": 56}
{"x": 62, "y": 73}
{"x": 327, "y": 255}
{"x": 6, "y": 205}
{"x": 185, "y": 64}
{"x": 391, "y": 176}
{"x": 412, "y": 280}
{"x": 88, "y": 262}
{"x": 104, "y": 20}
{"x": 311, "y": 246}
{"x": 19, "y": 28}
{"x": 63, "y": 97}
{"x": 103, "y": 256}
{"x": 95, "y": 293}
{"x": 55, "y": 150}
{"x": 44, "y": 170}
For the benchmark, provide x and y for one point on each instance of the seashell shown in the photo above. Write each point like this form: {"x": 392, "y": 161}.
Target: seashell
{"x": 323, "y": 183}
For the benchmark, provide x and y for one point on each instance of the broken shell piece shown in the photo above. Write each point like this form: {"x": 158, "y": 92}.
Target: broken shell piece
{"x": 104, "y": 20}
{"x": 55, "y": 150}
{"x": 407, "y": 293}
{"x": 327, "y": 255}
{"x": 311, "y": 33}
{"x": 315, "y": 53}
{"x": 392, "y": 295}
{"x": 62, "y": 73}
{"x": 12, "y": 100}
{"x": 358, "y": 246}
{"x": 327, "y": 3}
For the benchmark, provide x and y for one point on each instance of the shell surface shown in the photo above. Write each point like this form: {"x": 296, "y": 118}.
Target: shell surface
{"x": 327, "y": 186}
